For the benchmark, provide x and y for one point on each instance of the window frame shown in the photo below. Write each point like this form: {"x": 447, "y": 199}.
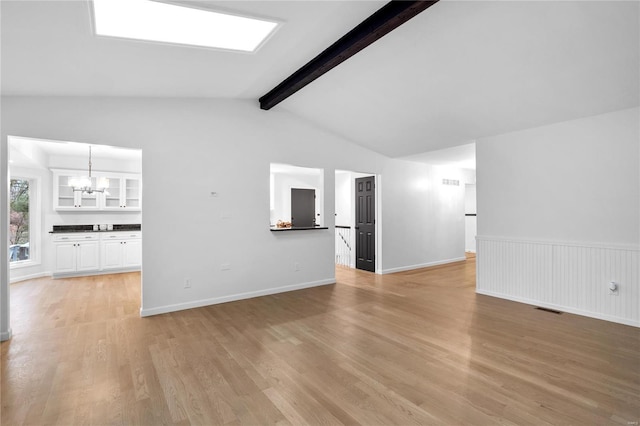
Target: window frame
{"x": 35, "y": 221}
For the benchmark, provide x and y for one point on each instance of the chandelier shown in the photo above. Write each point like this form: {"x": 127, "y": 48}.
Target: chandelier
{"x": 84, "y": 183}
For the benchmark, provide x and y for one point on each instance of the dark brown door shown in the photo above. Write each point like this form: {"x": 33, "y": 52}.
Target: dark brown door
{"x": 366, "y": 224}
{"x": 303, "y": 207}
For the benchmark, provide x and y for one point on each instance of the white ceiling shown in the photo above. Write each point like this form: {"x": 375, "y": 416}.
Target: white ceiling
{"x": 465, "y": 70}
{"x": 48, "y": 48}
{"x": 459, "y": 71}
{"x": 461, "y": 157}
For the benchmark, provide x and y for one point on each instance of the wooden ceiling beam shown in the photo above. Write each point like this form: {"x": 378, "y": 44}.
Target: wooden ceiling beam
{"x": 382, "y": 22}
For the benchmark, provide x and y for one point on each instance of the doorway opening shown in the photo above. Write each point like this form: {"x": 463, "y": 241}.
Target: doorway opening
{"x": 296, "y": 196}
{"x": 356, "y": 208}
{"x": 63, "y": 224}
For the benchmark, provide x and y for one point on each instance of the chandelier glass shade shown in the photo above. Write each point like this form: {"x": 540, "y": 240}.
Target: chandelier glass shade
{"x": 85, "y": 183}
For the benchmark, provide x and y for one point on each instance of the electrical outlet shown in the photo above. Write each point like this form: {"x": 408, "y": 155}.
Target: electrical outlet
{"x": 614, "y": 288}
{"x": 296, "y": 266}
{"x": 225, "y": 266}
{"x": 187, "y": 283}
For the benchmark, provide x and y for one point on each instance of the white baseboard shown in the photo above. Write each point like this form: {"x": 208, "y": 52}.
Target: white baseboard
{"x": 422, "y": 265}
{"x": 92, "y": 273}
{"x": 28, "y": 277}
{"x": 5, "y": 335}
{"x": 560, "y": 308}
{"x": 231, "y": 298}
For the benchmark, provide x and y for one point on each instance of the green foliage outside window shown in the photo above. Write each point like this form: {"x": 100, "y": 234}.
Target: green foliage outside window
{"x": 19, "y": 220}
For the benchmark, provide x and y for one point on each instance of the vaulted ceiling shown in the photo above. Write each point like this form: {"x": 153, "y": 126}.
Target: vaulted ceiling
{"x": 459, "y": 71}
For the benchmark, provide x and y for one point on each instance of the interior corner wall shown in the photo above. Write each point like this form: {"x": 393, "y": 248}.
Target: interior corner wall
{"x": 559, "y": 216}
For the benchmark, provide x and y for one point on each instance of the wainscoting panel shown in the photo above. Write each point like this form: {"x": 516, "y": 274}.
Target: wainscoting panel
{"x": 564, "y": 276}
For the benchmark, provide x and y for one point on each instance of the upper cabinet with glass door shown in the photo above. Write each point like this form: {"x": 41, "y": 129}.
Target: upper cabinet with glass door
{"x": 65, "y": 198}
{"x": 132, "y": 193}
{"x": 113, "y": 194}
{"x": 122, "y": 192}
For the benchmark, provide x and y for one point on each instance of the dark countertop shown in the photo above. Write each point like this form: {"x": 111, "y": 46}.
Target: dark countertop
{"x": 299, "y": 228}
{"x": 66, "y": 229}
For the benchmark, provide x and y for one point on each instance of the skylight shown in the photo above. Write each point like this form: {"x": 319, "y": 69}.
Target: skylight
{"x": 170, "y": 23}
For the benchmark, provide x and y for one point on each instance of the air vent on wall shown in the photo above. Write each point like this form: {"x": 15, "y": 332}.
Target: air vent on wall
{"x": 450, "y": 182}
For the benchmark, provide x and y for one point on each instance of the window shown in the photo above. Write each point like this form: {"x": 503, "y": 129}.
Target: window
{"x": 19, "y": 220}
{"x": 171, "y": 23}
{"x": 23, "y": 229}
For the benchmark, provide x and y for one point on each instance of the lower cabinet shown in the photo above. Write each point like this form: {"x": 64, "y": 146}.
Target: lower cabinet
{"x": 76, "y": 253}
{"x": 88, "y": 253}
{"x": 121, "y": 251}
{"x": 132, "y": 253}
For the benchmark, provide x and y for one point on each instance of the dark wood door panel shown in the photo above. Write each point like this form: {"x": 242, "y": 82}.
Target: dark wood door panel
{"x": 365, "y": 224}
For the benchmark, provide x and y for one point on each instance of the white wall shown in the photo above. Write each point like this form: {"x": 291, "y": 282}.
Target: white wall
{"x": 556, "y": 191}
{"x": 344, "y": 198}
{"x": 194, "y": 147}
{"x": 470, "y": 222}
{"x": 572, "y": 181}
{"x": 422, "y": 219}
{"x": 99, "y": 164}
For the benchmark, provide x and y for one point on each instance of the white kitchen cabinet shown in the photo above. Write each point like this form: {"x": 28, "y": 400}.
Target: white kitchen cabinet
{"x": 111, "y": 254}
{"x": 121, "y": 250}
{"x": 76, "y": 253}
{"x": 65, "y": 254}
{"x": 132, "y": 253}
{"x": 88, "y": 253}
{"x": 88, "y": 256}
{"x": 113, "y": 196}
{"x": 65, "y": 198}
{"x": 124, "y": 192}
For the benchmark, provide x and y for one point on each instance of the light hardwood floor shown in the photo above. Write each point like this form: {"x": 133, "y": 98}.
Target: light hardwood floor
{"x": 416, "y": 347}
